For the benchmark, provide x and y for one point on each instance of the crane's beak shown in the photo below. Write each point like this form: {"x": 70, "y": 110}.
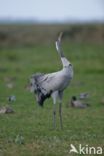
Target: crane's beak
{"x": 58, "y": 45}
{"x": 60, "y": 36}
{"x": 59, "y": 50}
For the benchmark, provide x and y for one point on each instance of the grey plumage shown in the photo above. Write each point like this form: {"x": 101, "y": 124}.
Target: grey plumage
{"x": 38, "y": 81}
{"x": 83, "y": 95}
{"x": 53, "y": 84}
{"x": 12, "y": 98}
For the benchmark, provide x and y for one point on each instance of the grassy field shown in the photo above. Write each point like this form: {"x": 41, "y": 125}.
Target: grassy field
{"x": 28, "y": 131}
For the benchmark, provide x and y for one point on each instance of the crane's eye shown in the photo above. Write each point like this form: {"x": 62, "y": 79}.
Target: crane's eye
{"x": 70, "y": 65}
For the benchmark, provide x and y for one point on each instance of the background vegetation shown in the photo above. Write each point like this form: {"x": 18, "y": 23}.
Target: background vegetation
{"x": 26, "y": 49}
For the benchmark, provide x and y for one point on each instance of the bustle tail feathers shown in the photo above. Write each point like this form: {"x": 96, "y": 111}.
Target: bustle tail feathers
{"x": 41, "y": 95}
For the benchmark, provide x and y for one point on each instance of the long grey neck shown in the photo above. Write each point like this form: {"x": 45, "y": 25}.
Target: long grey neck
{"x": 64, "y": 60}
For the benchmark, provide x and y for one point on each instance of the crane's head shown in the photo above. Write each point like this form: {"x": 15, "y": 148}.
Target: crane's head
{"x": 58, "y": 45}
{"x": 65, "y": 62}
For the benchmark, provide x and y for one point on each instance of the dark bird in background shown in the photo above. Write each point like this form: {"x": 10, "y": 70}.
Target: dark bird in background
{"x": 77, "y": 103}
{"x": 53, "y": 84}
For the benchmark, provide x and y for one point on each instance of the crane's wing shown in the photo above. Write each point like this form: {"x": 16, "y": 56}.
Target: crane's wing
{"x": 44, "y": 82}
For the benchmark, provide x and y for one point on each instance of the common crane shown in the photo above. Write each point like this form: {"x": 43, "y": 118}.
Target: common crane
{"x": 53, "y": 84}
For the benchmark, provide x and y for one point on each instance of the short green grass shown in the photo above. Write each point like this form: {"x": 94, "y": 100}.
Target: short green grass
{"x": 34, "y": 124}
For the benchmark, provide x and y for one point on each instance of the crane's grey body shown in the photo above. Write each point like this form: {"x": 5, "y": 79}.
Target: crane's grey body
{"x": 53, "y": 84}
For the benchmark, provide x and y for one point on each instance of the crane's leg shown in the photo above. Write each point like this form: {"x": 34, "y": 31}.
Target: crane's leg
{"x": 60, "y": 109}
{"x": 54, "y": 96}
{"x": 54, "y": 115}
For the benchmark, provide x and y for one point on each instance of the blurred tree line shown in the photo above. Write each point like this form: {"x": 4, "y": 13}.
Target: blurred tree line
{"x": 29, "y": 35}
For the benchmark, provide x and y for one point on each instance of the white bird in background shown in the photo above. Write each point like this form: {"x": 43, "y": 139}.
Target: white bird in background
{"x": 53, "y": 84}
